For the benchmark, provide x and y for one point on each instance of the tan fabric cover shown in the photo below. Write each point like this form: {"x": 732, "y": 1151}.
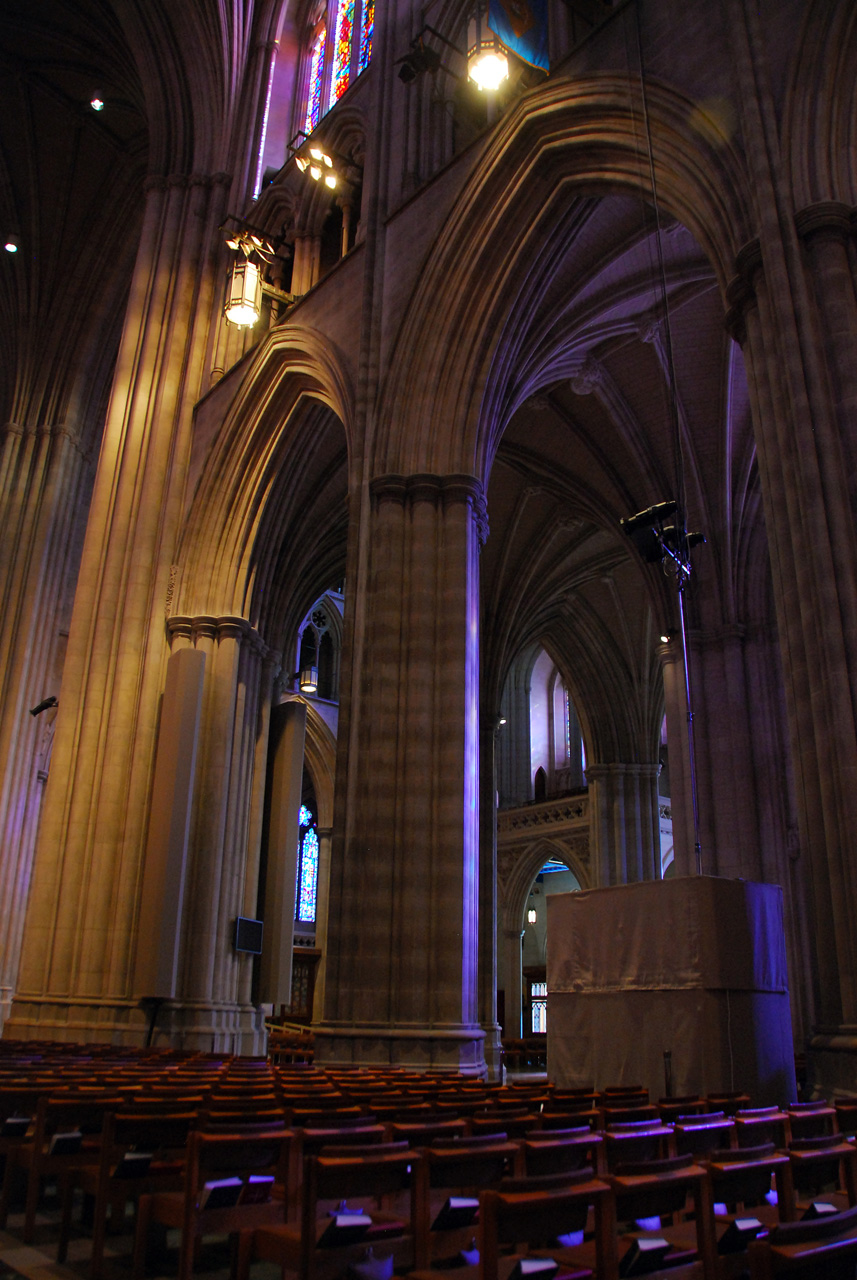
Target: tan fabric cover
{"x": 694, "y": 965}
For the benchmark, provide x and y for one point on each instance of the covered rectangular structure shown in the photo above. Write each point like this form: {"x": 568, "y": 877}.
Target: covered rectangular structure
{"x": 695, "y": 966}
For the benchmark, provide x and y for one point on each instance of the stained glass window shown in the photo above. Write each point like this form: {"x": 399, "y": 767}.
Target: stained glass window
{"x": 344, "y": 33}
{"x": 307, "y": 868}
{"x": 316, "y": 72}
{"x": 539, "y": 998}
{"x": 366, "y": 29}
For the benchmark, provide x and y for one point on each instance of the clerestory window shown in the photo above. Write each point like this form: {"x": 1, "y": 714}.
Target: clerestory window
{"x": 340, "y": 49}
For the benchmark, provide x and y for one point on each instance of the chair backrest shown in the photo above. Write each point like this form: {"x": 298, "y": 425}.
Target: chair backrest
{"x": 559, "y": 1156}
{"x": 821, "y": 1249}
{"x": 655, "y": 1188}
{"x": 215, "y": 1155}
{"x": 535, "y": 1218}
{"x": 743, "y": 1176}
{"x": 698, "y": 1139}
{"x": 468, "y": 1164}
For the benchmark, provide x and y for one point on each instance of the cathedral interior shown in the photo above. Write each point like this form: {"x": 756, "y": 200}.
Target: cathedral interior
{"x": 488, "y": 326}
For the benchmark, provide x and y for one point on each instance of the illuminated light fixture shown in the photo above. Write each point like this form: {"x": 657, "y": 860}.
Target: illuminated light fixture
{"x": 487, "y": 59}
{"x": 244, "y": 303}
{"x": 308, "y": 680}
{"x": 330, "y": 181}
{"x": 244, "y": 299}
{"x": 532, "y": 917}
{"x": 12, "y": 244}
{"x": 96, "y": 103}
{"x": 665, "y": 637}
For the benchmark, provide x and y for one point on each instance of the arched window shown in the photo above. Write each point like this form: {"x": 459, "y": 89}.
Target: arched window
{"x": 316, "y": 77}
{"x": 334, "y": 63}
{"x": 307, "y": 880}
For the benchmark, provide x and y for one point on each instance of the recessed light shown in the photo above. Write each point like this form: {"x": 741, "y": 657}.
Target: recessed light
{"x": 11, "y": 245}
{"x": 96, "y": 103}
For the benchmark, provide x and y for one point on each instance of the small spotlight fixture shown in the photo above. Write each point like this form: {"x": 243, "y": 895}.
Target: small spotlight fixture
{"x": 12, "y": 244}
{"x": 422, "y": 59}
{"x": 532, "y": 916}
{"x": 96, "y": 102}
{"x": 45, "y": 705}
{"x": 312, "y": 159}
{"x": 665, "y": 637}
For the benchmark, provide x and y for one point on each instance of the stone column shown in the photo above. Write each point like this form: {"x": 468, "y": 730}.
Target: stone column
{"x": 681, "y": 797}
{"x": 514, "y": 983}
{"x": 321, "y": 912}
{"x": 81, "y": 928}
{"x": 624, "y": 825}
{"x": 402, "y": 977}
{"x": 212, "y": 1008}
{"x": 288, "y": 731}
{"x": 488, "y": 895}
{"x": 45, "y": 478}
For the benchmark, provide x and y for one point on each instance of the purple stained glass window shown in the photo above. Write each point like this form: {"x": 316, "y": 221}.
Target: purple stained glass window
{"x": 343, "y": 38}
{"x": 366, "y": 28}
{"x": 316, "y": 72}
{"x": 307, "y": 868}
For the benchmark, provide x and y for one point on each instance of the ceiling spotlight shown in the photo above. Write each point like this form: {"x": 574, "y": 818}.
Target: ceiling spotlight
{"x": 11, "y": 245}
{"x": 96, "y": 103}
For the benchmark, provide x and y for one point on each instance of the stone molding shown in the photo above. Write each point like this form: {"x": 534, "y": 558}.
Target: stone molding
{"x": 741, "y": 292}
{"x": 204, "y": 626}
{"x": 55, "y": 431}
{"x": 830, "y": 218}
{"x": 438, "y": 490}
{"x": 550, "y": 813}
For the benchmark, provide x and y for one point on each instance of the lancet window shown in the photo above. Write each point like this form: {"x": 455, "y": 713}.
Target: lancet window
{"x": 340, "y": 50}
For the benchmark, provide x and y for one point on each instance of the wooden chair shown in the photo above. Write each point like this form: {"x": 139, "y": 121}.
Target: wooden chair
{"x": 18, "y": 1105}
{"x": 824, "y": 1166}
{"x": 811, "y": 1120}
{"x": 315, "y": 1248}
{"x": 660, "y": 1190}
{"x": 762, "y": 1124}
{"x": 532, "y": 1220}
{"x": 464, "y": 1169}
{"x": 124, "y": 1173}
{"x": 312, "y": 1140}
{"x": 196, "y": 1211}
{"x": 54, "y": 1151}
{"x": 636, "y": 1142}
{"x": 740, "y": 1178}
{"x": 824, "y": 1249}
{"x": 701, "y": 1135}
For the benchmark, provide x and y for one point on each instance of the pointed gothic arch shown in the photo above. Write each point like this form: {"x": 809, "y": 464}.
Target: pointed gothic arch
{"x": 569, "y": 139}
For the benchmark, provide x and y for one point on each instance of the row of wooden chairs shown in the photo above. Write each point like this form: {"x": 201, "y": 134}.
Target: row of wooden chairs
{"x": 541, "y": 1153}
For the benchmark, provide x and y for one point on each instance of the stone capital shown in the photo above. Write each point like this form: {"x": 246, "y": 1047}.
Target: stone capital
{"x": 435, "y": 489}
{"x": 828, "y": 218}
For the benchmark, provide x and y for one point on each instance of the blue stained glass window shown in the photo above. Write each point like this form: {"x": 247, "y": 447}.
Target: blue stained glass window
{"x": 316, "y": 72}
{"x": 366, "y": 29}
{"x": 307, "y": 885}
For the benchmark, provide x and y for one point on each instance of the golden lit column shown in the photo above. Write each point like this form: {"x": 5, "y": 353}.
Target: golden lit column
{"x": 402, "y": 963}
{"x": 80, "y": 936}
{"x": 43, "y": 477}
